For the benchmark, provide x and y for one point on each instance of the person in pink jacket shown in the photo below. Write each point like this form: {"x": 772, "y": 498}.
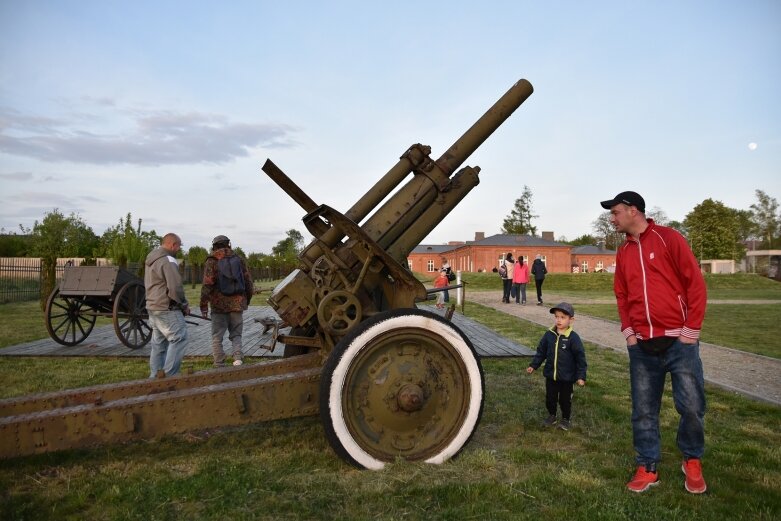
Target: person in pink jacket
{"x": 520, "y": 279}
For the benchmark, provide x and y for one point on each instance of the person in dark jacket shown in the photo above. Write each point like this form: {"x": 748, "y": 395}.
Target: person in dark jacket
{"x": 539, "y": 270}
{"x": 227, "y": 310}
{"x": 565, "y": 364}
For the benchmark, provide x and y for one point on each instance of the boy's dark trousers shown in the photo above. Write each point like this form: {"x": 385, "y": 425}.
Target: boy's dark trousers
{"x": 558, "y": 392}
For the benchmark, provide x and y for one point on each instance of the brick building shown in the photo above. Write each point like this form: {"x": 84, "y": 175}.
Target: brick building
{"x": 484, "y": 254}
{"x": 587, "y": 259}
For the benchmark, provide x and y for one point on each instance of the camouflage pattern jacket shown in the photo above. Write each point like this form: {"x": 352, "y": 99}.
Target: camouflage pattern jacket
{"x": 210, "y": 292}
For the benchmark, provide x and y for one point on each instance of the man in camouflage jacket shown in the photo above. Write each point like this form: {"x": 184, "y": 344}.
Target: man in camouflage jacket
{"x": 227, "y": 310}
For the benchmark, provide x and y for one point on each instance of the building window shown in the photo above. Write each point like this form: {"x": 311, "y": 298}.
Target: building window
{"x": 544, "y": 260}
{"x": 430, "y": 265}
{"x": 600, "y": 266}
{"x": 409, "y": 264}
{"x": 584, "y": 266}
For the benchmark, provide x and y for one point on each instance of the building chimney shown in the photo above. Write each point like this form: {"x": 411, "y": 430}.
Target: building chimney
{"x": 479, "y": 236}
{"x": 547, "y": 236}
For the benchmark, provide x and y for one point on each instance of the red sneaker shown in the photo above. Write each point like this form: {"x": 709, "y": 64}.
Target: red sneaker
{"x": 694, "y": 483}
{"x": 643, "y": 479}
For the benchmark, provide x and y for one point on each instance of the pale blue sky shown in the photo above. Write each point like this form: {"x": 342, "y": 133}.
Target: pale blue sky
{"x": 168, "y": 109}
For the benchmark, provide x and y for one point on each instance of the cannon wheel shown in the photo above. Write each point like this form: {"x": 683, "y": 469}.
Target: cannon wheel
{"x": 64, "y": 319}
{"x": 130, "y": 315}
{"x": 404, "y": 383}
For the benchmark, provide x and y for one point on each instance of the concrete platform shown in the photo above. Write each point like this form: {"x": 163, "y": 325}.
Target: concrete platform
{"x": 103, "y": 341}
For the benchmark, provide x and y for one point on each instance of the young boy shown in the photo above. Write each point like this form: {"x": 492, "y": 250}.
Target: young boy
{"x": 441, "y": 282}
{"x": 565, "y": 364}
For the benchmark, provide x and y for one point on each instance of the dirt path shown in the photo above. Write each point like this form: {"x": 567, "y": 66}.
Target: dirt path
{"x": 752, "y": 375}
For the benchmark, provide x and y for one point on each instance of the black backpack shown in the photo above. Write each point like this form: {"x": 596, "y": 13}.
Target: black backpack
{"x": 230, "y": 278}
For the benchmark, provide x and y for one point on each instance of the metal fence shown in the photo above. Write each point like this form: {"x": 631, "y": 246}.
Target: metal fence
{"x": 20, "y": 277}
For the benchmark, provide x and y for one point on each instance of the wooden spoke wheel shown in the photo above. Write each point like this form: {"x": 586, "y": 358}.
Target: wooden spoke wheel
{"x": 130, "y": 316}
{"x": 66, "y": 320}
{"x": 404, "y": 383}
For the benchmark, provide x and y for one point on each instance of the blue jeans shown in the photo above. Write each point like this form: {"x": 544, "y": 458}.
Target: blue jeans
{"x": 233, "y": 323}
{"x": 169, "y": 341}
{"x": 647, "y": 376}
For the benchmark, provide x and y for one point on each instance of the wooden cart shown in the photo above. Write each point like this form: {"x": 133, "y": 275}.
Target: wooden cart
{"x": 88, "y": 292}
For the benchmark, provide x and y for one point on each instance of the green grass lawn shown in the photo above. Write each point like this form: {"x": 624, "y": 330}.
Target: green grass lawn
{"x": 512, "y": 469}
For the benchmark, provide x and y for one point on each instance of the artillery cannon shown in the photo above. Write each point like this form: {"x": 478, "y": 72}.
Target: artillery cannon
{"x": 388, "y": 380}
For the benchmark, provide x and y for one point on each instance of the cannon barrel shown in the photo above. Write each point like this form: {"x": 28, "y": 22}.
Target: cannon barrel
{"x": 405, "y": 207}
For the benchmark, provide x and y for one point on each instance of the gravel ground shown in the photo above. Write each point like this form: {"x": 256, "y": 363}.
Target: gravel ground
{"x": 755, "y": 376}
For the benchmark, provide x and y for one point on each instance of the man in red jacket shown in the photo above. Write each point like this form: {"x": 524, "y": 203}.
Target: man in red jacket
{"x": 661, "y": 299}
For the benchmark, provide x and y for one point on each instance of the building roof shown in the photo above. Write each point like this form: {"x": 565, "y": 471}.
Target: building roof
{"x": 505, "y": 239}
{"x": 591, "y": 250}
{"x": 434, "y": 248}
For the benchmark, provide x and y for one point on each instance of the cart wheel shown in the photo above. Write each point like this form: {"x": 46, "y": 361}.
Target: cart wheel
{"x": 64, "y": 319}
{"x": 404, "y": 383}
{"x": 130, "y": 315}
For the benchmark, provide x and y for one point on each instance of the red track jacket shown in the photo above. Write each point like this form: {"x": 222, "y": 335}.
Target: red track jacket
{"x": 659, "y": 286}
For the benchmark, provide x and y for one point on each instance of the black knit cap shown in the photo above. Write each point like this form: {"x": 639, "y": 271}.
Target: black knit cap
{"x": 627, "y": 198}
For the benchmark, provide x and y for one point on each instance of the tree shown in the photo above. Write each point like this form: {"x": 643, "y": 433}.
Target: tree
{"x": 59, "y": 236}
{"x": 196, "y": 256}
{"x": 766, "y": 218}
{"x": 519, "y": 222}
{"x": 14, "y": 244}
{"x": 124, "y": 244}
{"x": 747, "y": 228}
{"x": 713, "y": 231}
{"x": 604, "y": 230}
{"x": 286, "y": 251}
{"x": 658, "y": 215}
{"x": 583, "y": 240}
{"x": 678, "y": 225}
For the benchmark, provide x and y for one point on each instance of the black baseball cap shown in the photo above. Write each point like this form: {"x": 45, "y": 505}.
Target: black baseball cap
{"x": 564, "y": 307}
{"x": 627, "y": 198}
{"x": 220, "y": 239}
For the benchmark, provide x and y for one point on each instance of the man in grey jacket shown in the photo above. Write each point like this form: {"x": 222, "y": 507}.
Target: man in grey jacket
{"x": 167, "y": 306}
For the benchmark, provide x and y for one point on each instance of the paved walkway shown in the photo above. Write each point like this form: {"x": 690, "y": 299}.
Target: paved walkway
{"x": 102, "y": 341}
{"x": 752, "y": 375}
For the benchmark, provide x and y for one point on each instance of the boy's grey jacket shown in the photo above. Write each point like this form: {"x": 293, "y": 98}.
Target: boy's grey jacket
{"x": 564, "y": 355}
{"x": 162, "y": 281}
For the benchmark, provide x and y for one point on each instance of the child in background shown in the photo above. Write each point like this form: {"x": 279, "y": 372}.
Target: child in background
{"x": 565, "y": 364}
{"x": 441, "y": 282}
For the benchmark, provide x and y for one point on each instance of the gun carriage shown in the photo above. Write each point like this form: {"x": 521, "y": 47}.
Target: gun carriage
{"x": 388, "y": 380}
{"x": 88, "y": 292}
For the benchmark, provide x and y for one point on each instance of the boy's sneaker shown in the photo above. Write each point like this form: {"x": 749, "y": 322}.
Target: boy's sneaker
{"x": 238, "y": 362}
{"x": 645, "y": 478}
{"x": 550, "y": 421}
{"x": 564, "y": 424}
{"x": 694, "y": 482}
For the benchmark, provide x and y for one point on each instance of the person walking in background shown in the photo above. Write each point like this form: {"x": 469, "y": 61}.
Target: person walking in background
{"x": 539, "y": 271}
{"x": 441, "y": 282}
{"x": 520, "y": 279}
{"x": 227, "y": 287}
{"x": 167, "y": 307}
{"x": 565, "y": 363}
{"x": 450, "y": 277}
{"x": 506, "y": 269}
{"x": 661, "y": 297}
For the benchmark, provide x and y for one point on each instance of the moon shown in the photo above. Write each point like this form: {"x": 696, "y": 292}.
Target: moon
{"x": 752, "y": 146}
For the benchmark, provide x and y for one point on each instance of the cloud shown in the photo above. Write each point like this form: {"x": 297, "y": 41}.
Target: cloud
{"x": 155, "y": 138}
{"x": 17, "y": 176}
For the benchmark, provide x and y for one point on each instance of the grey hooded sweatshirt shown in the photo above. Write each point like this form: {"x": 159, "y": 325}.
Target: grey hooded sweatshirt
{"x": 162, "y": 281}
